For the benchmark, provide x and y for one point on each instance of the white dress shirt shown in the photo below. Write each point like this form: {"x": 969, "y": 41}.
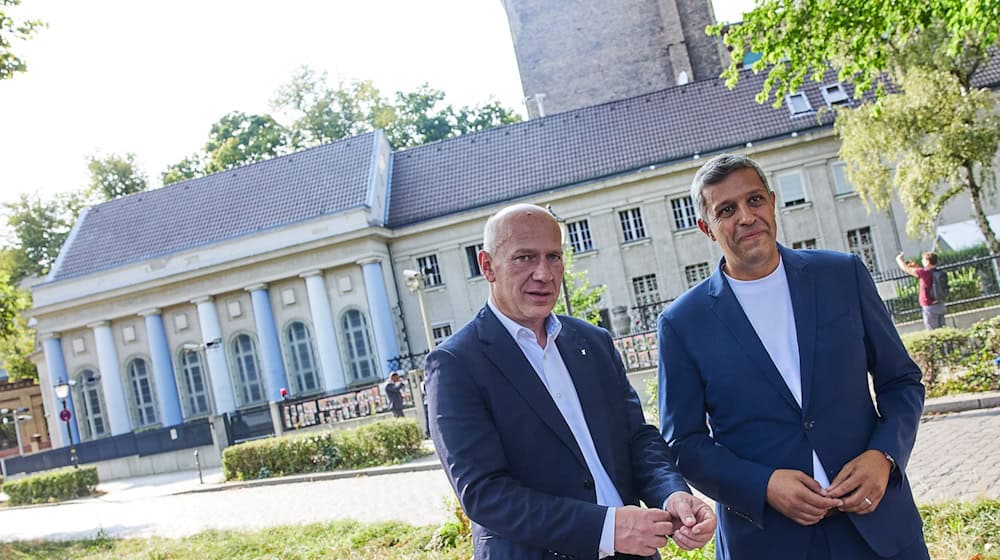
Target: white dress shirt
{"x": 549, "y": 365}
{"x": 767, "y": 303}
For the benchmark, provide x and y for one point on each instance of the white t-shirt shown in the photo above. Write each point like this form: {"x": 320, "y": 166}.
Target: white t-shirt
{"x": 767, "y": 303}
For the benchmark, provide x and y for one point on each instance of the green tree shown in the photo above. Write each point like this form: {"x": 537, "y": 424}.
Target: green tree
{"x": 238, "y": 139}
{"x": 583, "y": 297}
{"x": 929, "y": 135}
{"x": 17, "y": 340}
{"x": 115, "y": 176}
{"x": 40, "y": 228}
{"x": 13, "y": 31}
{"x": 188, "y": 168}
{"x": 321, "y": 113}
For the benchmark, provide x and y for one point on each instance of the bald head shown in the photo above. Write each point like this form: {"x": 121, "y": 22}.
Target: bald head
{"x": 499, "y": 227}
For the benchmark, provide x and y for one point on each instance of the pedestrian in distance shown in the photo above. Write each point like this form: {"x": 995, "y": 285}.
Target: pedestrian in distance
{"x": 932, "y": 285}
{"x": 394, "y": 390}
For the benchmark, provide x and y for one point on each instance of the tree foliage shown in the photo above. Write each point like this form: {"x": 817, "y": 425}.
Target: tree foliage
{"x": 17, "y": 340}
{"x": 40, "y": 228}
{"x": 583, "y": 298}
{"x": 115, "y": 176}
{"x": 861, "y": 39}
{"x": 13, "y": 31}
{"x": 320, "y": 113}
{"x": 238, "y": 139}
{"x": 929, "y": 135}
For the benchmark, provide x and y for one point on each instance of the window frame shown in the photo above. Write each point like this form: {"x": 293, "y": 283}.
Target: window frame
{"x": 190, "y": 396}
{"x": 785, "y": 203}
{"x": 430, "y": 268}
{"x": 352, "y": 360}
{"x": 579, "y": 236}
{"x": 85, "y": 394}
{"x": 837, "y": 191}
{"x": 646, "y": 296}
{"x": 472, "y": 260}
{"x": 635, "y": 229}
{"x": 243, "y": 388}
{"x": 293, "y": 353}
{"x": 694, "y": 273}
{"x": 864, "y": 251}
{"x": 141, "y": 392}
{"x": 688, "y": 218}
{"x": 790, "y": 103}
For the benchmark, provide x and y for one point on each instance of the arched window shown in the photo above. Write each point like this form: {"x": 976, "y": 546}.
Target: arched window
{"x": 251, "y": 389}
{"x": 141, "y": 387}
{"x": 89, "y": 405}
{"x": 302, "y": 360}
{"x": 360, "y": 351}
{"x": 193, "y": 385}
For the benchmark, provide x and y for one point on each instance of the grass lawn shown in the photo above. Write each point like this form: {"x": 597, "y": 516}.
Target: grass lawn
{"x": 959, "y": 531}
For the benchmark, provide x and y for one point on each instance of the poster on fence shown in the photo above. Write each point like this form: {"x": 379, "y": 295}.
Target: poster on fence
{"x": 639, "y": 351}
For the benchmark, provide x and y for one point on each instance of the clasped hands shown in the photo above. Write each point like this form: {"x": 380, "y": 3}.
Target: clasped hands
{"x": 857, "y": 488}
{"x": 642, "y": 531}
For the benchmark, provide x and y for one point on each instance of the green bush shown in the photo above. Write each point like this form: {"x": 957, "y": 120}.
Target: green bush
{"x": 52, "y": 486}
{"x": 379, "y": 443}
{"x": 937, "y": 351}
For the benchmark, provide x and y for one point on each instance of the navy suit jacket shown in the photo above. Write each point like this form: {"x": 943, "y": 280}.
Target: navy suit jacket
{"x": 512, "y": 459}
{"x": 713, "y": 362}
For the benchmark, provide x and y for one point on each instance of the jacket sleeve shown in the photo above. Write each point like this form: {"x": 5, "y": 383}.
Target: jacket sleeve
{"x": 655, "y": 474}
{"x": 474, "y": 459}
{"x": 899, "y": 394}
{"x": 713, "y": 469}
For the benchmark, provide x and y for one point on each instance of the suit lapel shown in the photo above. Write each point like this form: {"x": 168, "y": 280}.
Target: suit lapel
{"x": 729, "y": 312}
{"x": 508, "y": 358}
{"x": 803, "y": 293}
{"x": 579, "y": 359}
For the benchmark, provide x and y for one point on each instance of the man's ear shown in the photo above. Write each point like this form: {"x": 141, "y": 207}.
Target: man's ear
{"x": 704, "y": 229}
{"x": 486, "y": 265}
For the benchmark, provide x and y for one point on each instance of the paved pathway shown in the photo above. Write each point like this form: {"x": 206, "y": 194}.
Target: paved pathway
{"x": 957, "y": 456}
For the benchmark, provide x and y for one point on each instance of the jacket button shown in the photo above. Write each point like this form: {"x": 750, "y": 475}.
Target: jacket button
{"x": 588, "y": 484}
{"x": 808, "y": 424}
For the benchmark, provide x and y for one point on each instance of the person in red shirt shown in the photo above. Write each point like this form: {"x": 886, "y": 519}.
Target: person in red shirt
{"x": 933, "y": 310}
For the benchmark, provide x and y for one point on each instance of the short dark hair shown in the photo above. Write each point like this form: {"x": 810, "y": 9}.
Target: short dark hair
{"x": 715, "y": 171}
{"x": 931, "y": 257}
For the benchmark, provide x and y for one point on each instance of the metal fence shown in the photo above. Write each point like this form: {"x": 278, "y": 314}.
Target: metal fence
{"x": 341, "y": 407}
{"x": 972, "y": 284}
{"x": 148, "y": 442}
{"x": 248, "y": 424}
{"x": 644, "y": 316}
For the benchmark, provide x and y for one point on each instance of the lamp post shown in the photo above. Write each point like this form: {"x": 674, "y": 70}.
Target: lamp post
{"x": 62, "y": 392}
{"x": 415, "y": 283}
{"x": 16, "y": 414}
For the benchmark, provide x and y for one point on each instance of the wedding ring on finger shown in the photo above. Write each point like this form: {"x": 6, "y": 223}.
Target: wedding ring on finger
{"x": 868, "y": 502}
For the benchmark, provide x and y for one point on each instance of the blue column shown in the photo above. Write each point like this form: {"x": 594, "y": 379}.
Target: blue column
{"x": 270, "y": 345}
{"x": 111, "y": 379}
{"x": 163, "y": 369}
{"x": 56, "y": 364}
{"x": 378, "y": 307}
{"x": 215, "y": 355}
{"x": 330, "y": 363}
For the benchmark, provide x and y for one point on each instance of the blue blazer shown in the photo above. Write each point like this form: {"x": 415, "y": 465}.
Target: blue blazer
{"x": 713, "y": 362}
{"x": 512, "y": 459}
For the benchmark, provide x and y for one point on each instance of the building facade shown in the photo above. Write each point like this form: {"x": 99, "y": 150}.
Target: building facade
{"x": 212, "y": 295}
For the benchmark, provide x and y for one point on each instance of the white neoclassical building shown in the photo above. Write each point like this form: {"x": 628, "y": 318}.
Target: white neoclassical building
{"x": 211, "y": 295}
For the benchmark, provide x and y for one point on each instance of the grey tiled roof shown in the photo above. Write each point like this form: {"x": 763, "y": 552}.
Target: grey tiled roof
{"x": 532, "y": 157}
{"x": 280, "y": 191}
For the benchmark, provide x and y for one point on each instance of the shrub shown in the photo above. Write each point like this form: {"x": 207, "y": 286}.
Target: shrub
{"x": 52, "y": 486}
{"x": 379, "y": 443}
{"x": 937, "y": 351}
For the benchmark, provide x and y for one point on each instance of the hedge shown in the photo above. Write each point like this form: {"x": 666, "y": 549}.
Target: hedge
{"x": 937, "y": 351}
{"x": 379, "y": 443}
{"x": 52, "y": 486}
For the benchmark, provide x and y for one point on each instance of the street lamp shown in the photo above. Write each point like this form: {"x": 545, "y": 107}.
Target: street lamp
{"x": 62, "y": 392}
{"x": 415, "y": 283}
{"x": 16, "y": 413}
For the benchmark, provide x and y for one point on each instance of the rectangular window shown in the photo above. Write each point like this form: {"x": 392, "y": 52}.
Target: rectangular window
{"x": 579, "y": 236}
{"x": 859, "y": 241}
{"x": 834, "y": 94}
{"x": 684, "y": 216}
{"x": 428, "y": 266}
{"x": 696, "y": 273}
{"x": 441, "y": 333}
{"x": 798, "y": 103}
{"x": 472, "y": 259}
{"x": 804, "y": 244}
{"x": 791, "y": 188}
{"x": 645, "y": 289}
{"x": 632, "y": 227}
{"x": 840, "y": 183}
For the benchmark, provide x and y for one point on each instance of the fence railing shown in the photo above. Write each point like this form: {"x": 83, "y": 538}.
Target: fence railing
{"x": 341, "y": 407}
{"x": 972, "y": 284}
{"x": 644, "y": 316}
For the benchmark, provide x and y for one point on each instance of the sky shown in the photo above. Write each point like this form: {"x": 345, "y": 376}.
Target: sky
{"x": 150, "y": 78}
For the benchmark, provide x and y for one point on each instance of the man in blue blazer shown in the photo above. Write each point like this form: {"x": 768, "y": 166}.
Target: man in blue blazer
{"x": 775, "y": 348}
{"x": 537, "y": 427}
